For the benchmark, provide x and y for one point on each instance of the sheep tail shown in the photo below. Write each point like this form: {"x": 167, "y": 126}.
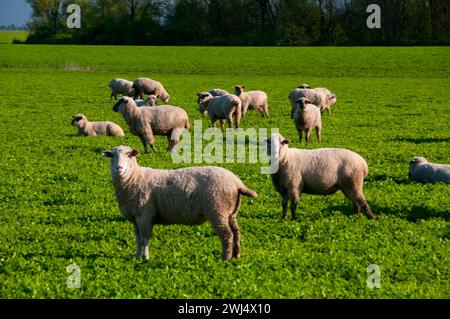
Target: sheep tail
{"x": 243, "y": 190}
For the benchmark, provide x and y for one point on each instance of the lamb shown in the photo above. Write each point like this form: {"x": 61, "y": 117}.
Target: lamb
{"x": 220, "y": 108}
{"x": 121, "y": 86}
{"x": 188, "y": 196}
{"x": 86, "y": 128}
{"x": 145, "y": 122}
{"x": 320, "y": 97}
{"x": 306, "y": 118}
{"x": 143, "y": 86}
{"x": 420, "y": 170}
{"x": 151, "y": 100}
{"x": 252, "y": 100}
{"x": 218, "y": 92}
{"x": 317, "y": 172}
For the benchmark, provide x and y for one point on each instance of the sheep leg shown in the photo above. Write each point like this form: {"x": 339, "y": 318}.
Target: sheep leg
{"x": 300, "y": 132}
{"x": 112, "y": 96}
{"x": 222, "y": 124}
{"x": 138, "y": 241}
{"x": 236, "y": 236}
{"x": 230, "y": 120}
{"x": 144, "y": 142}
{"x": 145, "y": 233}
{"x": 308, "y": 135}
{"x": 293, "y": 208}
{"x": 319, "y": 134}
{"x": 213, "y": 123}
{"x": 226, "y": 236}
{"x": 284, "y": 204}
{"x": 358, "y": 200}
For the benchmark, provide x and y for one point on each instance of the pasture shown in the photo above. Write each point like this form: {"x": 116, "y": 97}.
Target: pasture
{"x": 8, "y": 36}
{"x": 57, "y": 204}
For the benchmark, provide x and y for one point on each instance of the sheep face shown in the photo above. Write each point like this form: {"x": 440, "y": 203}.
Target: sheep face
{"x": 203, "y": 99}
{"x": 304, "y": 86}
{"x": 77, "y": 119}
{"x": 275, "y": 143}
{"x": 122, "y": 104}
{"x": 122, "y": 159}
{"x": 414, "y": 162}
{"x": 332, "y": 100}
{"x": 302, "y": 102}
{"x": 238, "y": 89}
{"x": 151, "y": 100}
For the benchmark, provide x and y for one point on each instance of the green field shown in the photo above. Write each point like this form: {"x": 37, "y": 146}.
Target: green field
{"x": 7, "y": 36}
{"x": 57, "y": 203}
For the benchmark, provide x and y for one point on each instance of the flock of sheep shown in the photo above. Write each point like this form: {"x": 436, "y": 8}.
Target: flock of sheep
{"x": 194, "y": 195}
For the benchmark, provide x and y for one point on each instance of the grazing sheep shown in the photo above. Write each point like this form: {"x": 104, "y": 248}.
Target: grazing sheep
{"x": 220, "y": 108}
{"x": 320, "y": 97}
{"x": 188, "y": 196}
{"x": 306, "y": 118}
{"x": 86, "y": 128}
{"x": 317, "y": 172}
{"x": 218, "y": 92}
{"x": 420, "y": 170}
{"x": 151, "y": 100}
{"x": 252, "y": 100}
{"x": 143, "y": 86}
{"x": 120, "y": 86}
{"x": 145, "y": 122}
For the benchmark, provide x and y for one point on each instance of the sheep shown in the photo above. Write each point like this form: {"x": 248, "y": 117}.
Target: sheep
{"x": 320, "y": 97}
{"x": 317, "y": 172}
{"x": 121, "y": 86}
{"x": 143, "y": 86}
{"x": 252, "y": 100}
{"x": 151, "y": 100}
{"x": 86, "y": 128}
{"x": 220, "y": 108}
{"x": 306, "y": 118}
{"x": 188, "y": 196}
{"x": 145, "y": 122}
{"x": 218, "y": 92}
{"x": 304, "y": 86}
{"x": 420, "y": 170}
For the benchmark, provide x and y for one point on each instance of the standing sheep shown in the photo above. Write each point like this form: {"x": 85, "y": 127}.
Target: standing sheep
{"x": 86, "y": 128}
{"x": 320, "y": 97}
{"x": 306, "y": 118}
{"x": 317, "y": 172}
{"x": 220, "y": 108}
{"x": 143, "y": 86}
{"x": 121, "y": 86}
{"x": 252, "y": 100}
{"x": 145, "y": 122}
{"x": 420, "y": 170}
{"x": 188, "y": 196}
{"x": 218, "y": 92}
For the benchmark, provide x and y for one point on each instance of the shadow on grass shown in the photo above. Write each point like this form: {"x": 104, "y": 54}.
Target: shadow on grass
{"x": 421, "y": 140}
{"x": 383, "y": 177}
{"x": 414, "y": 214}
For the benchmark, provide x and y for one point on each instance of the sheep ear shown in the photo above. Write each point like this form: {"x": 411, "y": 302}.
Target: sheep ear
{"x": 287, "y": 142}
{"x": 134, "y": 153}
{"x": 107, "y": 153}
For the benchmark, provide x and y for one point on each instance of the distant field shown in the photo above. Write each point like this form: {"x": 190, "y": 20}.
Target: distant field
{"x": 7, "y": 37}
{"x": 57, "y": 204}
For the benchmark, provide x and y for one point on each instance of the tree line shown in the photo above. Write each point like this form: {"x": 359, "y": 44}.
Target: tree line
{"x": 242, "y": 22}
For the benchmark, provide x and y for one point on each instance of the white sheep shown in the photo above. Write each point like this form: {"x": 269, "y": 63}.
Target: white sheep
{"x": 148, "y": 86}
{"x": 188, "y": 196}
{"x": 306, "y": 118}
{"x": 121, "y": 86}
{"x": 420, "y": 170}
{"x": 318, "y": 172}
{"x": 151, "y": 100}
{"x": 252, "y": 100}
{"x": 218, "y": 92}
{"x": 225, "y": 107}
{"x": 86, "y": 128}
{"x": 320, "y": 97}
{"x": 145, "y": 122}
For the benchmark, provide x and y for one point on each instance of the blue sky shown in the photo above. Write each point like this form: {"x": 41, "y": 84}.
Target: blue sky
{"x": 14, "y": 12}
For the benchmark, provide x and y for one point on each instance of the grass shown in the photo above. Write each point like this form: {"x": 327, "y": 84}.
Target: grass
{"x": 57, "y": 205}
{"x": 8, "y": 36}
